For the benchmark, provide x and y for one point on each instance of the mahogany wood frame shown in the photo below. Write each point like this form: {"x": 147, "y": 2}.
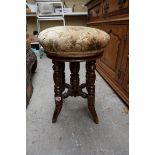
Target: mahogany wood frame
{"x": 74, "y": 89}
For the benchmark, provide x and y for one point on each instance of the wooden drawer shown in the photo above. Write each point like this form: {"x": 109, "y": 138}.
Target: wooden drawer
{"x": 94, "y": 9}
{"x": 114, "y": 7}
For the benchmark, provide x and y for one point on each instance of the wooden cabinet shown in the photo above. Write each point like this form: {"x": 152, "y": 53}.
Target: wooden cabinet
{"x": 114, "y": 64}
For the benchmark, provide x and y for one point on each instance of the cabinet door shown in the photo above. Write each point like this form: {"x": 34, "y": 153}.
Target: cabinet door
{"x": 121, "y": 68}
{"x": 113, "y": 53}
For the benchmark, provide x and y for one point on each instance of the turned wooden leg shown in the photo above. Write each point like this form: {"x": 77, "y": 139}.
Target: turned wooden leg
{"x": 63, "y": 75}
{"x": 57, "y": 77}
{"x": 90, "y": 86}
{"x": 74, "y": 79}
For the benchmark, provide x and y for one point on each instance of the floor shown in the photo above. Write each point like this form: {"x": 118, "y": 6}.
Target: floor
{"x": 75, "y": 133}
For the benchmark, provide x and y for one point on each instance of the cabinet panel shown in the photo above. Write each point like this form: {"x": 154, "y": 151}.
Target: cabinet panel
{"x": 113, "y": 6}
{"x": 113, "y": 53}
{"x": 125, "y": 58}
{"x": 95, "y": 12}
{"x": 125, "y": 64}
{"x": 94, "y": 9}
{"x": 125, "y": 84}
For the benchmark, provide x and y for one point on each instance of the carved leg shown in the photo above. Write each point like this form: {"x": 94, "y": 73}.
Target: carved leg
{"x": 90, "y": 86}
{"x": 74, "y": 79}
{"x": 63, "y": 75}
{"x": 57, "y": 77}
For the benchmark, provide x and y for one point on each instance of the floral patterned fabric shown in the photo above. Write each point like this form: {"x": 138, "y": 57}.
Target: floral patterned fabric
{"x": 73, "y": 40}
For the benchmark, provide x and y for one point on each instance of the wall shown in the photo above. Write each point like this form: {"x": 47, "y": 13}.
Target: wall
{"x": 70, "y": 20}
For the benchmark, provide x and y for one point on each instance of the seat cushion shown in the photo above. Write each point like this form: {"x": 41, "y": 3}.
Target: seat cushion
{"x": 73, "y": 41}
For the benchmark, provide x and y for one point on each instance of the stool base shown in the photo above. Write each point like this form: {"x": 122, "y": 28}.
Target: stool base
{"x": 74, "y": 89}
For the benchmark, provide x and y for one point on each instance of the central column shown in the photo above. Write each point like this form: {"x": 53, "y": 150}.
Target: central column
{"x": 63, "y": 75}
{"x": 74, "y": 77}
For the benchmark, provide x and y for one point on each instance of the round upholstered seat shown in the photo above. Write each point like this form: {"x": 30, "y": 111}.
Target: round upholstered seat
{"x": 73, "y": 41}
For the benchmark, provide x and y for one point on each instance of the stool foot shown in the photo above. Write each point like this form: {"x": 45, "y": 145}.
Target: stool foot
{"x": 94, "y": 114}
{"x": 90, "y": 86}
{"x": 56, "y": 113}
{"x": 57, "y": 77}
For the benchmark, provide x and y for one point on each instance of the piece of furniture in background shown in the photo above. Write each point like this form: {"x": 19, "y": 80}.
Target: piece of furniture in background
{"x": 73, "y": 44}
{"x": 112, "y": 16}
{"x": 46, "y": 11}
{"x": 31, "y": 65}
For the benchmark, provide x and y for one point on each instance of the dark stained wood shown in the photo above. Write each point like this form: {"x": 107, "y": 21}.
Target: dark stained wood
{"x": 74, "y": 88}
{"x": 125, "y": 83}
{"x": 90, "y": 86}
{"x": 94, "y": 9}
{"x": 57, "y": 77}
{"x": 113, "y": 65}
{"x": 63, "y": 75}
{"x": 115, "y": 7}
{"x": 74, "y": 79}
